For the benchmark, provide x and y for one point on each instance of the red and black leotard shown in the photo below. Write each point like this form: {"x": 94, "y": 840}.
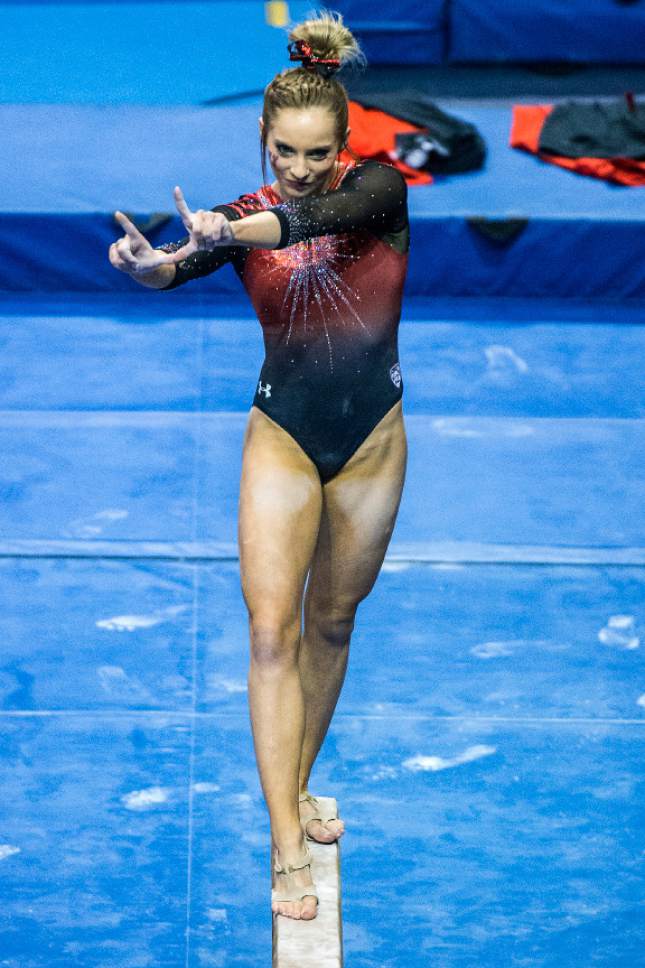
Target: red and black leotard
{"x": 328, "y": 298}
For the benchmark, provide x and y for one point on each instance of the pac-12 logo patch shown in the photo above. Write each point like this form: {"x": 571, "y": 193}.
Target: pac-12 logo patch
{"x": 395, "y": 375}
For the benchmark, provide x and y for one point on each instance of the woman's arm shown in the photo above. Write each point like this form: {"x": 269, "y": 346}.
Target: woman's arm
{"x": 159, "y": 278}
{"x": 258, "y": 231}
{"x": 372, "y": 196}
{"x": 198, "y": 264}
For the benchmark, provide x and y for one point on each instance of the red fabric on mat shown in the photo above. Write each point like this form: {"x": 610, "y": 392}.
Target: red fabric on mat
{"x": 372, "y": 135}
{"x": 525, "y": 133}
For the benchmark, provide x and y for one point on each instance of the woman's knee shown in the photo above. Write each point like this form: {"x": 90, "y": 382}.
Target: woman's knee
{"x": 334, "y": 625}
{"x": 274, "y": 640}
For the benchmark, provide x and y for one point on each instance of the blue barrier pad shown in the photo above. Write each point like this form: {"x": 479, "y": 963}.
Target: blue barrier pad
{"x": 102, "y": 159}
{"x": 56, "y": 223}
{"x": 409, "y": 33}
{"x": 145, "y": 52}
{"x": 535, "y": 30}
{"x": 161, "y": 52}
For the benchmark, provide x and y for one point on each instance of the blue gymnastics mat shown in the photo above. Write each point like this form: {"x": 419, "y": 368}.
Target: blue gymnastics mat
{"x": 85, "y": 162}
{"x": 501, "y": 396}
{"x": 487, "y": 747}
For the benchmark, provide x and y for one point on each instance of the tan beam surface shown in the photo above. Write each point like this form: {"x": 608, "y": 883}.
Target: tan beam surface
{"x": 317, "y": 943}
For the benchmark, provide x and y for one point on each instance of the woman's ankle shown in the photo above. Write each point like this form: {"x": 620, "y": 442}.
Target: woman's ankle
{"x": 290, "y": 844}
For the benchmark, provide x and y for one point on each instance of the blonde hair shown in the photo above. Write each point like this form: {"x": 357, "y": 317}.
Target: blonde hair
{"x": 302, "y": 87}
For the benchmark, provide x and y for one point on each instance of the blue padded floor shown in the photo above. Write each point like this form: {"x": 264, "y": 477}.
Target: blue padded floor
{"x": 495, "y": 400}
{"x": 487, "y": 748}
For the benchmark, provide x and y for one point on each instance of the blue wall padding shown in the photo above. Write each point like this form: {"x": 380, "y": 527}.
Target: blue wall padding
{"x": 407, "y": 45}
{"x": 83, "y": 163}
{"x": 600, "y": 31}
{"x": 159, "y": 51}
{"x": 139, "y": 53}
{"x": 551, "y": 257}
{"x": 407, "y": 33}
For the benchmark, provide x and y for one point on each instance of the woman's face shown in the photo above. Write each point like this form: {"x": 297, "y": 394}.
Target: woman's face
{"x": 302, "y": 149}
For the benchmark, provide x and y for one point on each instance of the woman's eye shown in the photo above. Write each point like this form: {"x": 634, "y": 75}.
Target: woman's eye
{"x": 318, "y": 156}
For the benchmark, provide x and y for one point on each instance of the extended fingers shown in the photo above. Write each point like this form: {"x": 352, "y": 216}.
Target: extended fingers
{"x": 129, "y": 227}
{"x": 182, "y": 208}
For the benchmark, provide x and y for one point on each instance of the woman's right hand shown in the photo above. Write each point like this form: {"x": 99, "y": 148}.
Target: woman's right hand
{"x": 206, "y": 231}
{"x": 132, "y": 253}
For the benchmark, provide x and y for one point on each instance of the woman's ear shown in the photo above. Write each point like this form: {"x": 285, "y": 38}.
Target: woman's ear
{"x": 345, "y": 145}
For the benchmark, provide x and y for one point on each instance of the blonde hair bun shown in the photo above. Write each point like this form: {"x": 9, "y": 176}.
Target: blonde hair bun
{"x": 329, "y": 39}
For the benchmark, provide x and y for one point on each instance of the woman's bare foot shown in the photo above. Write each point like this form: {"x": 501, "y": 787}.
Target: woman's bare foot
{"x": 307, "y": 908}
{"x": 325, "y": 832}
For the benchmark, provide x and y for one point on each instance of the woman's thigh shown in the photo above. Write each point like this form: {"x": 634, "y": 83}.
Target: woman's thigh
{"x": 360, "y": 505}
{"x": 278, "y": 521}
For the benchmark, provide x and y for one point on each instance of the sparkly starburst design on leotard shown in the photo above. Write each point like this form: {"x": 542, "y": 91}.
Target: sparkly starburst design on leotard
{"x": 315, "y": 268}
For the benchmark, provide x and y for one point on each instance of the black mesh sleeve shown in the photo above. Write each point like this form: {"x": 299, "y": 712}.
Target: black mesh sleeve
{"x": 372, "y": 196}
{"x": 201, "y": 263}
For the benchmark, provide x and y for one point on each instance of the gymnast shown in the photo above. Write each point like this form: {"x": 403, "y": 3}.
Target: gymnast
{"x": 322, "y": 252}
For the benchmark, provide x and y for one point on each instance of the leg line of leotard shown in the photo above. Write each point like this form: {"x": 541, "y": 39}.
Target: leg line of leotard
{"x": 354, "y": 448}
{"x": 363, "y": 439}
{"x": 288, "y": 432}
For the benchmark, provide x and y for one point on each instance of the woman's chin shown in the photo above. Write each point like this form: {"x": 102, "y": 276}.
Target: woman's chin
{"x": 292, "y": 191}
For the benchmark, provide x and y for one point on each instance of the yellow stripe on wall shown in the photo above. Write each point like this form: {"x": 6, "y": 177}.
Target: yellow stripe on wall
{"x": 277, "y": 13}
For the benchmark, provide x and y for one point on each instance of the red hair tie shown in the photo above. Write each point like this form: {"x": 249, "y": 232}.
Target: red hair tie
{"x": 302, "y": 51}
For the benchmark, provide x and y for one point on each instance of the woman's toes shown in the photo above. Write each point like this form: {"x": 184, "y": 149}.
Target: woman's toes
{"x": 308, "y": 910}
{"x": 285, "y": 909}
{"x": 323, "y": 832}
{"x": 328, "y": 833}
{"x": 335, "y": 828}
{"x": 300, "y": 910}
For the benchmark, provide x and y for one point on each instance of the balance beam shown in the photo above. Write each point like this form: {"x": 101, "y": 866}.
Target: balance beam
{"x": 317, "y": 943}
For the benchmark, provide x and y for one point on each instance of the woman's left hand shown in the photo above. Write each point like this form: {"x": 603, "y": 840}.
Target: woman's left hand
{"x": 207, "y": 230}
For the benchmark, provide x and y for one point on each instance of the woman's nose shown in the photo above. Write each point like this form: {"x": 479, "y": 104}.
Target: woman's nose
{"x": 299, "y": 170}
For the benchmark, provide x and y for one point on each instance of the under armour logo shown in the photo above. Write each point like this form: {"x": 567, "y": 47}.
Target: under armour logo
{"x": 395, "y": 375}
{"x": 266, "y": 390}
